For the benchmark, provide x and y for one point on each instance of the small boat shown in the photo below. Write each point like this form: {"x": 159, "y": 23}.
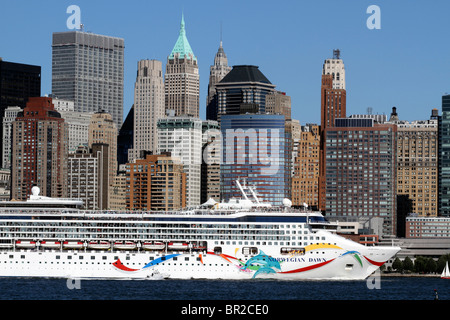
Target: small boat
{"x": 99, "y": 245}
{"x": 124, "y": 245}
{"x": 50, "y": 244}
{"x": 25, "y": 244}
{"x": 445, "y": 273}
{"x": 73, "y": 245}
{"x": 156, "y": 275}
{"x": 153, "y": 245}
{"x": 178, "y": 246}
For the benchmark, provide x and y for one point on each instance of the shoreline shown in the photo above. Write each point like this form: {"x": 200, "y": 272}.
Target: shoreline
{"x": 417, "y": 275}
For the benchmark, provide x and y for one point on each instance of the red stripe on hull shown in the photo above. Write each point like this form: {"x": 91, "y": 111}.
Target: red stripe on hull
{"x": 314, "y": 266}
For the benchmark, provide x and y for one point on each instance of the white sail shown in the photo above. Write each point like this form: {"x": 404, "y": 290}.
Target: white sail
{"x": 445, "y": 272}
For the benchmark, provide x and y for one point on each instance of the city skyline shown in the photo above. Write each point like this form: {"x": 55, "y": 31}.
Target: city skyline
{"x": 402, "y": 64}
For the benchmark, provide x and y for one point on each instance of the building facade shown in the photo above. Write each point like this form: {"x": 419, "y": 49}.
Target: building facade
{"x": 243, "y": 90}
{"x": 210, "y": 168}
{"x": 18, "y": 82}
{"x": 10, "y": 115}
{"x": 361, "y": 165}
{"x": 444, "y": 158}
{"x": 39, "y": 151}
{"x": 305, "y": 181}
{"x": 417, "y": 169}
{"x": 156, "y": 183}
{"x": 182, "y": 79}
{"x": 88, "y": 69}
{"x": 256, "y": 148}
{"x": 183, "y": 137}
{"x": 278, "y": 102}
{"x": 103, "y": 130}
{"x": 148, "y": 107}
{"x": 217, "y": 72}
{"x": 333, "y": 106}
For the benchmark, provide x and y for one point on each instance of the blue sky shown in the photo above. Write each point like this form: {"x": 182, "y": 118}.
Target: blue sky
{"x": 405, "y": 64}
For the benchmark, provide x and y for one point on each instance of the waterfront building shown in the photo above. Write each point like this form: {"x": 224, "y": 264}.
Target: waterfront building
{"x": 256, "y": 147}
{"x": 118, "y": 196}
{"x": 217, "y": 72}
{"x": 39, "y": 150}
{"x": 428, "y": 227}
{"x": 182, "y": 137}
{"x": 361, "y": 165}
{"x": 243, "y": 90}
{"x": 333, "y": 106}
{"x": 18, "y": 82}
{"x": 88, "y": 69}
{"x": 444, "y": 158}
{"x": 10, "y": 115}
{"x": 182, "y": 79}
{"x": 148, "y": 107}
{"x": 155, "y": 183}
{"x": 417, "y": 158}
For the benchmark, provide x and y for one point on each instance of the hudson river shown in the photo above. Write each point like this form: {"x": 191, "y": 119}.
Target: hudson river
{"x": 178, "y": 296}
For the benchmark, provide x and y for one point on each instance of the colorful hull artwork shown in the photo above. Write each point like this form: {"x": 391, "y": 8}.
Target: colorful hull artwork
{"x": 263, "y": 265}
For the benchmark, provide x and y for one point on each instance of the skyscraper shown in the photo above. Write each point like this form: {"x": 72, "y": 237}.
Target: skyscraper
{"x": 255, "y": 147}
{"x": 182, "y": 137}
{"x": 444, "y": 158}
{"x": 217, "y": 72}
{"x": 333, "y": 106}
{"x": 18, "y": 82}
{"x": 182, "y": 79}
{"x": 243, "y": 90}
{"x": 103, "y": 131}
{"x": 39, "y": 151}
{"x": 148, "y": 107}
{"x": 361, "y": 166}
{"x": 88, "y": 69}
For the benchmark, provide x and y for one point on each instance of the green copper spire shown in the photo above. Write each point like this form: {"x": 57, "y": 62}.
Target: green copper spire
{"x": 182, "y": 45}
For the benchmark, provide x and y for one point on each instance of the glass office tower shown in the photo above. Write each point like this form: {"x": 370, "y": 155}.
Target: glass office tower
{"x": 444, "y": 158}
{"x": 255, "y": 151}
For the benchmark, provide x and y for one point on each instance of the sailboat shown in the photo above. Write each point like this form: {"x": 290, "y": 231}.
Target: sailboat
{"x": 445, "y": 273}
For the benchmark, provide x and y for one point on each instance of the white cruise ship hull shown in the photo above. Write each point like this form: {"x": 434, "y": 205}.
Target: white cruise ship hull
{"x": 319, "y": 263}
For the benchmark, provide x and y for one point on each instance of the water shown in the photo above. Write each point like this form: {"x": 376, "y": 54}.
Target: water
{"x": 384, "y": 288}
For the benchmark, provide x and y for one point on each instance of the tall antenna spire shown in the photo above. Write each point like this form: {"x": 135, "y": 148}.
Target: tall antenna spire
{"x": 220, "y": 33}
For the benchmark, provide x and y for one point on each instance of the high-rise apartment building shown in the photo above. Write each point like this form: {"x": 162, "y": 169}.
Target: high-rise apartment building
{"x": 155, "y": 183}
{"x": 86, "y": 176}
{"x": 243, "y": 90}
{"x": 18, "y": 82}
{"x": 444, "y": 158}
{"x": 333, "y": 106}
{"x": 77, "y": 122}
{"x": 148, "y": 107}
{"x": 8, "y": 118}
{"x": 256, "y": 147}
{"x": 361, "y": 167}
{"x": 182, "y": 79}
{"x": 417, "y": 169}
{"x": 305, "y": 182}
{"x": 217, "y": 72}
{"x": 39, "y": 151}
{"x": 211, "y": 154}
{"x": 103, "y": 130}
{"x": 278, "y": 102}
{"x": 88, "y": 69}
{"x": 183, "y": 138}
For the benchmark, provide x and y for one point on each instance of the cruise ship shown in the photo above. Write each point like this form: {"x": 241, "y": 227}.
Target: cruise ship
{"x": 240, "y": 239}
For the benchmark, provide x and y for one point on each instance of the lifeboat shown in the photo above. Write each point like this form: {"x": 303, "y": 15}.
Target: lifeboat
{"x": 99, "y": 245}
{"x": 73, "y": 245}
{"x": 124, "y": 245}
{"x": 50, "y": 244}
{"x": 178, "y": 246}
{"x": 25, "y": 244}
{"x": 153, "y": 245}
